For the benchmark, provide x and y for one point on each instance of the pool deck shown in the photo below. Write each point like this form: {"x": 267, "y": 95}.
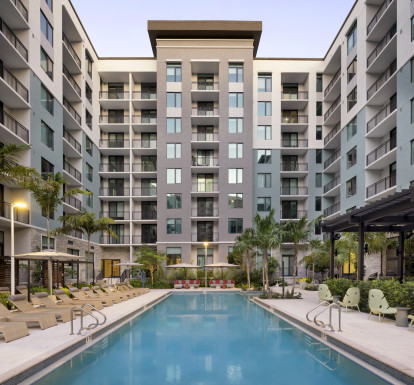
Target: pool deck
{"x": 385, "y": 341}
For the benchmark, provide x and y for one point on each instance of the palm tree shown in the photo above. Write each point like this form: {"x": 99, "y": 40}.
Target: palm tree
{"x": 380, "y": 242}
{"x": 315, "y": 245}
{"x": 347, "y": 247}
{"x": 244, "y": 251}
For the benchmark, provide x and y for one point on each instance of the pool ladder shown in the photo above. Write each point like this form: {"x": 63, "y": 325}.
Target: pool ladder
{"x": 323, "y": 354}
{"x": 329, "y": 306}
{"x": 83, "y": 312}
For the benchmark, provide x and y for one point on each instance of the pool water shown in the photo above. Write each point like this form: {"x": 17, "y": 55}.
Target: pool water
{"x": 209, "y": 339}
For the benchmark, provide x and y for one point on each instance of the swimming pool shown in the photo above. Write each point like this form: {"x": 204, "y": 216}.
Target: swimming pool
{"x": 206, "y": 339}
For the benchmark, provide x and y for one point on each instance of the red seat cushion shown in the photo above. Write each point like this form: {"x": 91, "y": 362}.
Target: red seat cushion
{"x": 217, "y": 281}
{"x": 175, "y": 282}
{"x": 211, "y": 282}
{"x": 198, "y": 282}
{"x": 191, "y": 281}
{"x": 225, "y": 281}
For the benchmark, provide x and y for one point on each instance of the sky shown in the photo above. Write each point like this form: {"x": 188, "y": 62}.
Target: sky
{"x": 291, "y": 28}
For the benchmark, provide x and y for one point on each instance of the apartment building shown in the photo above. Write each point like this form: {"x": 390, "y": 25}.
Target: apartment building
{"x": 182, "y": 149}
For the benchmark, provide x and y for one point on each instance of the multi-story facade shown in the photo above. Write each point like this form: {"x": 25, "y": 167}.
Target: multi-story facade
{"x": 183, "y": 148}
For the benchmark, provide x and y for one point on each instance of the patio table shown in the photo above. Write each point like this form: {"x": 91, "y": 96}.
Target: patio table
{"x": 402, "y": 317}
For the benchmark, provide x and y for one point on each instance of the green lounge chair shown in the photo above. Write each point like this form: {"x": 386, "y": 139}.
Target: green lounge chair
{"x": 324, "y": 293}
{"x": 378, "y": 304}
{"x": 411, "y": 317}
{"x": 351, "y": 299}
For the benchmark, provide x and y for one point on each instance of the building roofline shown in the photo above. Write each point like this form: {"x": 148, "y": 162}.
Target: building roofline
{"x": 127, "y": 58}
{"x": 290, "y": 58}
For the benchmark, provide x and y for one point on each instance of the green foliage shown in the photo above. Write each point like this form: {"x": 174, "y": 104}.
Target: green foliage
{"x": 160, "y": 284}
{"x": 288, "y": 295}
{"x": 151, "y": 258}
{"x": 37, "y": 272}
{"x": 38, "y": 289}
{"x": 4, "y": 300}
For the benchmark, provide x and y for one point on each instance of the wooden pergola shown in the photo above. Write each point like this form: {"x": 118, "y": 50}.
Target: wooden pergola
{"x": 394, "y": 214}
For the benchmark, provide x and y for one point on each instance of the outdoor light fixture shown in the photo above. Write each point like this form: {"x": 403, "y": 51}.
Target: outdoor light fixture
{"x": 408, "y": 235}
{"x": 366, "y": 248}
{"x": 337, "y": 237}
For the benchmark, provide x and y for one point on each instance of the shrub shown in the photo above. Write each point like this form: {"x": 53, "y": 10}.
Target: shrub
{"x": 38, "y": 289}
{"x": 4, "y": 300}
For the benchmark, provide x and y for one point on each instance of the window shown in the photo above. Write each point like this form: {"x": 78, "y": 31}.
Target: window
{"x": 49, "y": 4}
{"x": 235, "y": 175}
{"x": 89, "y": 199}
{"x": 317, "y": 229}
{"x": 202, "y": 253}
{"x": 235, "y": 201}
{"x": 235, "y": 225}
{"x": 46, "y": 99}
{"x": 318, "y": 132}
{"x": 89, "y": 62}
{"x": 265, "y": 83}
{"x": 412, "y": 70}
{"x": 235, "y": 72}
{"x": 412, "y": 110}
{"x": 88, "y": 119}
{"x": 235, "y": 125}
{"x": 46, "y": 63}
{"x": 318, "y": 82}
{"x": 264, "y": 108}
{"x": 264, "y": 132}
{"x": 89, "y": 172}
{"x": 173, "y": 150}
{"x": 352, "y": 69}
{"x": 318, "y": 108}
{"x": 318, "y": 203}
{"x": 318, "y": 156}
{"x": 173, "y": 201}
{"x": 173, "y": 99}
{"x": 46, "y": 168}
{"x": 235, "y": 150}
{"x": 351, "y": 129}
{"x": 412, "y": 151}
{"x": 47, "y": 135}
{"x": 412, "y": 28}
{"x": 88, "y": 92}
{"x": 351, "y": 187}
{"x": 352, "y": 37}
{"x": 173, "y": 255}
{"x": 351, "y": 157}
{"x": 264, "y": 156}
{"x": 173, "y": 125}
{"x": 46, "y": 245}
{"x": 46, "y": 28}
{"x": 264, "y": 204}
{"x": 173, "y": 175}
{"x": 318, "y": 179}
{"x": 352, "y": 99}
{"x": 88, "y": 145}
{"x": 236, "y": 99}
{"x": 264, "y": 180}
{"x": 174, "y": 226}
{"x": 173, "y": 72}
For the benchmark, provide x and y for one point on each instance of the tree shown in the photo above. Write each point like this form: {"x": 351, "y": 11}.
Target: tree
{"x": 244, "y": 251}
{"x": 346, "y": 247}
{"x": 380, "y": 242}
{"x": 48, "y": 195}
{"x": 316, "y": 246}
{"x": 151, "y": 258}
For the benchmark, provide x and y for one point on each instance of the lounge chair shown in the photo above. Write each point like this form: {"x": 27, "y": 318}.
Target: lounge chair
{"x": 111, "y": 291}
{"x": 45, "y": 320}
{"x": 178, "y": 285}
{"x": 21, "y": 303}
{"x": 411, "y": 317}
{"x": 138, "y": 290}
{"x": 65, "y": 300}
{"x": 4, "y": 290}
{"x": 82, "y": 295}
{"x": 378, "y": 304}
{"x": 23, "y": 290}
{"x": 324, "y": 293}
{"x": 108, "y": 301}
{"x": 112, "y": 298}
{"x": 13, "y": 330}
{"x": 351, "y": 299}
{"x": 230, "y": 284}
{"x": 123, "y": 289}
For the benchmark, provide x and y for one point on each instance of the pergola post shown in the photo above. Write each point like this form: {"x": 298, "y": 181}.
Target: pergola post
{"x": 361, "y": 251}
{"x": 401, "y": 255}
{"x": 77, "y": 275}
{"x": 332, "y": 256}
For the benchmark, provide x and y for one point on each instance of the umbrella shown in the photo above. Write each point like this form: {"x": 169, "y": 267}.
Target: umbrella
{"x": 128, "y": 265}
{"x": 184, "y": 266}
{"x": 221, "y": 265}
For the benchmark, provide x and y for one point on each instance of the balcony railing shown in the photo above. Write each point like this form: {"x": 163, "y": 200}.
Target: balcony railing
{"x": 293, "y": 166}
{"x": 114, "y": 192}
{"x": 144, "y": 119}
{"x": 292, "y": 214}
{"x": 382, "y": 79}
{"x": 113, "y": 143}
{"x": 380, "y": 151}
{"x": 76, "y": 234}
{"x": 144, "y": 95}
{"x": 204, "y": 161}
{"x": 205, "y": 136}
{"x": 72, "y": 111}
{"x": 145, "y": 238}
{"x": 109, "y": 240}
{"x": 377, "y": 16}
{"x": 332, "y": 108}
{"x": 114, "y": 214}
{"x": 380, "y": 186}
{"x": 294, "y": 119}
{"x": 144, "y": 167}
{"x": 70, "y": 48}
{"x": 203, "y": 86}
{"x": 332, "y": 184}
{"x": 71, "y": 80}
{"x": 205, "y": 187}
{"x": 300, "y": 95}
{"x": 213, "y": 111}
{"x": 144, "y": 143}
{"x": 113, "y": 119}
{"x": 12, "y": 81}
{"x": 333, "y": 132}
{"x": 114, "y": 167}
{"x": 14, "y": 126}
{"x": 21, "y": 8}
{"x": 203, "y": 237}
{"x": 20, "y": 215}
{"x": 332, "y": 209}
{"x": 144, "y": 215}
{"x": 381, "y": 115}
{"x": 74, "y": 202}
{"x": 381, "y": 45}
{"x": 144, "y": 191}
{"x": 293, "y": 190}
{"x": 204, "y": 212}
{"x": 332, "y": 83}
{"x": 294, "y": 143}
{"x": 72, "y": 171}
{"x": 72, "y": 141}
{"x": 332, "y": 159}
{"x": 14, "y": 40}
{"x": 116, "y": 95}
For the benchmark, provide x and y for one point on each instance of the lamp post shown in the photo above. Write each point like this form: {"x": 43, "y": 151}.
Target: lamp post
{"x": 205, "y": 261}
{"x": 19, "y": 205}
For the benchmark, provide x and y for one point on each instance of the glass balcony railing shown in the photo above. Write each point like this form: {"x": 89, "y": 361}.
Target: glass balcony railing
{"x": 293, "y": 166}
{"x": 332, "y": 184}
{"x": 114, "y": 191}
{"x": 291, "y": 190}
{"x": 144, "y": 167}
{"x": 142, "y": 95}
{"x": 14, "y": 83}
{"x": 205, "y": 237}
{"x": 332, "y": 209}
{"x": 115, "y": 214}
{"x": 114, "y": 167}
{"x": 72, "y": 141}
{"x": 72, "y": 171}
{"x": 144, "y": 215}
{"x": 294, "y": 143}
{"x": 294, "y": 119}
{"x": 113, "y": 119}
{"x": 292, "y": 214}
{"x": 299, "y": 95}
{"x": 382, "y": 80}
{"x": 150, "y": 191}
{"x": 114, "y": 95}
{"x": 332, "y": 159}
{"x": 205, "y": 136}
{"x": 381, "y": 115}
{"x": 113, "y": 143}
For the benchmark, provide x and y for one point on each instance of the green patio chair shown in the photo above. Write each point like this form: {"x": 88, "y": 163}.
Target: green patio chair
{"x": 324, "y": 293}
{"x": 351, "y": 298}
{"x": 411, "y": 317}
{"x": 378, "y": 304}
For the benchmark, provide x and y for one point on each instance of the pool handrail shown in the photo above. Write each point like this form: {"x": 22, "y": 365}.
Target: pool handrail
{"x": 91, "y": 326}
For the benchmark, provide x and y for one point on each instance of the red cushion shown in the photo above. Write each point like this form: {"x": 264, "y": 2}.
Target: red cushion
{"x": 231, "y": 281}
{"x": 198, "y": 281}
{"x": 217, "y": 281}
{"x": 191, "y": 280}
{"x": 211, "y": 281}
{"x": 225, "y": 281}
{"x": 175, "y": 282}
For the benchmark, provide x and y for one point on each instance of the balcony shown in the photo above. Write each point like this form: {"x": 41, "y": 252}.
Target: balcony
{"x": 383, "y": 121}
{"x": 294, "y": 123}
{"x": 293, "y": 169}
{"x": 20, "y": 215}
{"x": 114, "y": 146}
{"x": 145, "y": 238}
{"x": 205, "y": 116}
{"x": 292, "y": 214}
{"x": 332, "y": 210}
{"x": 73, "y": 202}
{"x": 382, "y": 20}
{"x": 75, "y": 175}
{"x": 204, "y": 92}
{"x": 380, "y": 187}
{"x": 144, "y": 146}
{"x": 384, "y": 53}
{"x": 13, "y": 91}
{"x": 138, "y": 95}
{"x": 205, "y": 237}
{"x": 333, "y": 115}
{"x": 290, "y": 190}
{"x": 332, "y": 188}
{"x": 114, "y": 191}
{"x": 382, "y": 156}
{"x": 331, "y": 162}
{"x": 329, "y": 138}
{"x": 387, "y": 88}
{"x": 109, "y": 240}
{"x": 114, "y": 99}
{"x": 146, "y": 168}
{"x": 110, "y": 168}
{"x": 205, "y": 188}
{"x": 333, "y": 88}
{"x": 204, "y": 163}
{"x": 147, "y": 215}
{"x": 14, "y": 53}
{"x": 70, "y": 57}
{"x": 144, "y": 123}
{"x": 115, "y": 214}
{"x": 71, "y": 88}
{"x": 19, "y": 131}
{"x": 71, "y": 119}
{"x": 144, "y": 100}
{"x": 71, "y": 147}
{"x": 294, "y": 146}
{"x": 149, "y": 191}
{"x": 16, "y": 12}
{"x": 203, "y": 212}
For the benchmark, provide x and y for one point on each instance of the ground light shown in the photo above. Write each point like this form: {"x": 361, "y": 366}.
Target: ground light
{"x": 19, "y": 205}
